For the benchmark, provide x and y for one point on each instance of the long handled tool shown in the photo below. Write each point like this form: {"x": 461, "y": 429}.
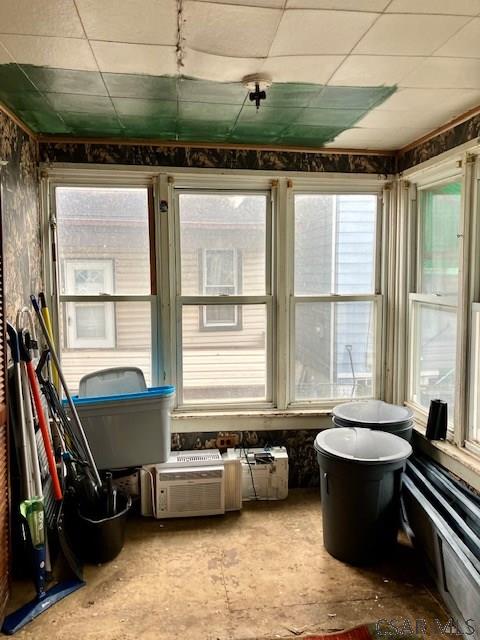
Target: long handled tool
{"x": 42, "y": 422}
{"x": 73, "y": 410}
{"x": 32, "y": 508}
{"x": 48, "y": 323}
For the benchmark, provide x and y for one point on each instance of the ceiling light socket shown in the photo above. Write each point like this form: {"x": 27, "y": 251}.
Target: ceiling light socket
{"x": 252, "y": 80}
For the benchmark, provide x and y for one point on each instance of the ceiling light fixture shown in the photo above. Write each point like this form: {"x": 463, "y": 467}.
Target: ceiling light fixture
{"x": 257, "y": 85}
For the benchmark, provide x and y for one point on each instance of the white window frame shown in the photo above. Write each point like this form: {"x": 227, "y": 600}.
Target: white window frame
{"x": 376, "y": 298}
{"x": 72, "y": 340}
{"x": 267, "y": 299}
{"x": 68, "y": 176}
{"x": 451, "y": 170}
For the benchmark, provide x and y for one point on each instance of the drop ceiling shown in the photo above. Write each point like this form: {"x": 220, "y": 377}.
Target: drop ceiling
{"x": 366, "y": 74}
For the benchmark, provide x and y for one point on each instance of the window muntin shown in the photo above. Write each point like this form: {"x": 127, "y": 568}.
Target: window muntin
{"x": 105, "y": 276}
{"x": 223, "y": 254}
{"x": 335, "y": 247}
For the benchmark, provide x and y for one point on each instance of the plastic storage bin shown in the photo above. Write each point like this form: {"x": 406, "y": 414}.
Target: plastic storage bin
{"x": 128, "y": 430}
{"x": 375, "y": 414}
{"x": 360, "y": 474}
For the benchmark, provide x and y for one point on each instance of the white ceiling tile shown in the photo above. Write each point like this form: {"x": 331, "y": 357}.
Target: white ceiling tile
{"x": 445, "y": 73}
{"x": 149, "y": 59}
{"x": 218, "y": 68}
{"x": 452, "y": 7}
{"x": 422, "y": 100}
{"x": 320, "y": 32}
{"x": 358, "y": 138}
{"x": 464, "y": 44}
{"x": 144, "y": 22}
{"x": 409, "y": 35}
{"x": 269, "y": 4}
{"x": 62, "y": 53}
{"x": 364, "y": 71}
{"x": 40, "y": 17}
{"x": 392, "y": 120}
{"x": 316, "y": 69}
{"x": 342, "y": 5}
{"x": 230, "y": 30}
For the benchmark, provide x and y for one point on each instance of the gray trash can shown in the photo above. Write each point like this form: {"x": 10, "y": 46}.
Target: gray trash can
{"x": 375, "y": 414}
{"x": 360, "y": 475}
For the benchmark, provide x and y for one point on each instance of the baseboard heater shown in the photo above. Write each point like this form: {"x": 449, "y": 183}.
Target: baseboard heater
{"x": 443, "y": 520}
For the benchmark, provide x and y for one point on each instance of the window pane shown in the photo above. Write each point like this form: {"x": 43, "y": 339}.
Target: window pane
{"x": 222, "y": 241}
{"x": 334, "y": 350}
{"x": 440, "y": 215}
{"x": 434, "y": 355}
{"x": 103, "y": 240}
{"x": 226, "y": 365}
{"x": 101, "y": 335}
{"x": 334, "y": 243}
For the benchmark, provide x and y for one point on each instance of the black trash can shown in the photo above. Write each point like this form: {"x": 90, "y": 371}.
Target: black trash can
{"x": 101, "y": 540}
{"x": 375, "y": 414}
{"x": 360, "y": 475}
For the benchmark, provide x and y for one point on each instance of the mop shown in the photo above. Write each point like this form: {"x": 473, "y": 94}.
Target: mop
{"x": 32, "y": 508}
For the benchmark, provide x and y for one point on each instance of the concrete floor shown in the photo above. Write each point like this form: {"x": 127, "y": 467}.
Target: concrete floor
{"x": 262, "y": 573}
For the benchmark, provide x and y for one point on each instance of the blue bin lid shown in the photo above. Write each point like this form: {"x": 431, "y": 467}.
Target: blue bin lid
{"x": 153, "y": 392}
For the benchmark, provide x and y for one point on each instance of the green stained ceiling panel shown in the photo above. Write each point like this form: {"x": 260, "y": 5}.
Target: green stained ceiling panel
{"x": 208, "y": 111}
{"x": 190, "y": 90}
{"x": 330, "y": 117}
{"x": 65, "y": 80}
{"x": 291, "y": 94}
{"x": 90, "y": 104}
{"x": 363, "y": 98}
{"x": 24, "y": 101}
{"x": 274, "y": 115}
{"x": 153, "y": 128}
{"x": 40, "y": 121}
{"x": 12, "y": 79}
{"x": 81, "y": 104}
{"x": 126, "y": 85}
{"x": 145, "y": 108}
{"x": 80, "y": 123}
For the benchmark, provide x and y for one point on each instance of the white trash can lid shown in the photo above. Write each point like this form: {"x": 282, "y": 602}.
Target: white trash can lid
{"x": 372, "y": 412}
{"x": 362, "y": 445}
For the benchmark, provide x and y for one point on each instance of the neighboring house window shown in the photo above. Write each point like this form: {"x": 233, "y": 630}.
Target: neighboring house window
{"x": 221, "y": 272}
{"x": 89, "y": 324}
{"x": 433, "y": 306}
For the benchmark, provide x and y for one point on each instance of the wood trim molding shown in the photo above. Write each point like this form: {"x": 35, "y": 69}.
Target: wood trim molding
{"x": 8, "y": 112}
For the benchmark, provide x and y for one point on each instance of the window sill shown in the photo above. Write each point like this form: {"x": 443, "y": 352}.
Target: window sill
{"x": 258, "y": 420}
{"x": 460, "y": 461}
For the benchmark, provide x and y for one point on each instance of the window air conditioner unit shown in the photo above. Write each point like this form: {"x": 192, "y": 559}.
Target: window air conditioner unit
{"x": 190, "y": 483}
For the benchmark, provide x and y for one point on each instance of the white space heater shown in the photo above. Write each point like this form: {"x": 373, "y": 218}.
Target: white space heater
{"x": 190, "y": 483}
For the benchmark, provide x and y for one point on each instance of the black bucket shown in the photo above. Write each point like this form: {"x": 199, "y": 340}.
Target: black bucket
{"x": 102, "y": 540}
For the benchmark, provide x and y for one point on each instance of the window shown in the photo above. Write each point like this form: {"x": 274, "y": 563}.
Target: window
{"x": 221, "y": 274}
{"x": 223, "y": 285}
{"x": 433, "y": 308}
{"x": 89, "y": 324}
{"x": 105, "y": 279}
{"x": 335, "y": 303}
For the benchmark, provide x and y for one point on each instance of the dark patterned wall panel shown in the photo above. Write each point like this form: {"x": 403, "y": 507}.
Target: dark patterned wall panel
{"x": 215, "y": 158}
{"x": 21, "y": 215}
{"x": 463, "y": 132}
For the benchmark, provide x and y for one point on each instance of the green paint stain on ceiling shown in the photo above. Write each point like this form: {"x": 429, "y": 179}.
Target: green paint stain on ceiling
{"x": 90, "y": 104}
